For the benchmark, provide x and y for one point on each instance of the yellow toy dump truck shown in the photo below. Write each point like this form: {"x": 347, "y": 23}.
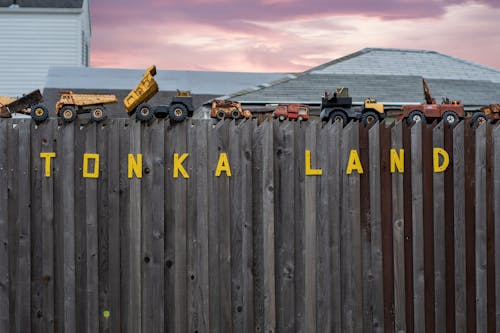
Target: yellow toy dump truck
{"x": 222, "y": 109}
{"x": 179, "y": 108}
{"x": 28, "y": 104}
{"x": 70, "y": 105}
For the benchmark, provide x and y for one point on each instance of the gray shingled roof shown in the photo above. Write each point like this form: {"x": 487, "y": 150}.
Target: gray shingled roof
{"x": 392, "y": 76}
{"x": 198, "y": 82}
{"x": 44, "y": 3}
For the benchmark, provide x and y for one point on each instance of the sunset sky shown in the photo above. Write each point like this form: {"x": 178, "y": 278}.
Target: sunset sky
{"x": 285, "y": 35}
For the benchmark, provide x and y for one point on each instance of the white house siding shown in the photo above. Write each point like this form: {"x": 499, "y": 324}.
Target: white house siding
{"x": 32, "y": 40}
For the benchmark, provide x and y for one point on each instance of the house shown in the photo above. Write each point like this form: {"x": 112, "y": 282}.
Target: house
{"x": 37, "y": 34}
{"x": 393, "y": 76}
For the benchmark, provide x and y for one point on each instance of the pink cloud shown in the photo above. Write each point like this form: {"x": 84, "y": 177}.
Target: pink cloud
{"x": 281, "y": 35}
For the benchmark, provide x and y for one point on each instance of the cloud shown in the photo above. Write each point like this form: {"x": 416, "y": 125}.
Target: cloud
{"x": 288, "y": 36}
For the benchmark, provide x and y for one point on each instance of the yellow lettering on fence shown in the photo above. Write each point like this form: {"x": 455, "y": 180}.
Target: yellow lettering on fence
{"x": 309, "y": 170}
{"x": 446, "y": 159}
{"x": 86, "y": 158}
{"x": 397, "y": 160}
{"x": 47, "y": 156}
{"x": 223, "y": 165}
{"x": 178, "y": 165}
{"x": 135, "y": 165}
{"x": 354, "y": 163}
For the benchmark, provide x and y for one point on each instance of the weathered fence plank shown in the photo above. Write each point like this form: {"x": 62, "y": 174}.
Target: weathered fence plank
{"x": 459, "y": 228}
{"x": 4, "y": 229}
{"x": 480, "y": 230}
{"x": 439, "y": 234}
{"x": 398, "y": 235}
{"x": 417, "y": 228}
{"x": 496, "y": 204}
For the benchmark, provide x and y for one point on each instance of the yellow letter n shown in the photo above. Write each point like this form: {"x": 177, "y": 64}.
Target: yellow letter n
{"x": 134, "y": 166}
{"x": 397, "y": 160}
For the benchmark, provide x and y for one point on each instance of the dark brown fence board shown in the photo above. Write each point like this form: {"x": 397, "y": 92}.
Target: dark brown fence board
{"x": 386, "y": 227}
{"x": 4, "y": 229}
{"x": 490, "y": 232}
{"x": 417, "y": 228}
{"x": 398, "y": 235}
{"x": 439, "y": 235}
{"x": 480, "y": 232}
{"x": 496, "y": 204}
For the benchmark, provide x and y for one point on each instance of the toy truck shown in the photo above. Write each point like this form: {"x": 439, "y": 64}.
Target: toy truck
{"x": 489, "y": 112}
{"x": 338, "y": 108}
{"x": 450, "y": 111}
{"x": 179, "y": 108}
{"x": 70, "y": 105}
{"x": 222, "y": 109}
{"x": 29, "y": 104}
{"x": 292, "y": 112}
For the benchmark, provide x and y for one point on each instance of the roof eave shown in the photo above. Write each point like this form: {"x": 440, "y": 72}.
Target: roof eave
{"x": 32, "y": 10}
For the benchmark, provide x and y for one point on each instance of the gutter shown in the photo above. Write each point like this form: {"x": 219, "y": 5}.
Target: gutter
{"x": 30, "y": 10}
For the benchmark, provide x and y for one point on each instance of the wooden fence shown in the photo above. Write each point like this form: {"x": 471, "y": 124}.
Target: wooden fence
{"x": 268, "y": 249}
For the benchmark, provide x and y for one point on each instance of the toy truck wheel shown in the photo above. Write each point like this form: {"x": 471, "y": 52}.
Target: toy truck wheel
{"x": 450, "y": 117}
{"x": 338, "y": 117}
{"x": 300, "y": 118}
{"x": 415, "y": 117}
{"x": 177, "y": 112}
{"x": 235, "y": 114}
{"x": 97, "y": 114}
{"x": 68, "y": 113}
{"x": 282, "y": 118}
{"x": 39, "y": 113}
{"x": 144, "y": 112}
{"x": 479, "y": 118}
{"x": 220, "y": 115}
{"x": 369, "y": 117}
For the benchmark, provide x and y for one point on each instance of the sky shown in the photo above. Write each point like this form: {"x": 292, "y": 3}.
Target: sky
{"x": 285, "y": 35}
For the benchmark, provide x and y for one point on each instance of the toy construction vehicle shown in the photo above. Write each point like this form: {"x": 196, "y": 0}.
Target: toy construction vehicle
{"x": 70, "y": 105}
{"x": 179, "y": 108}
{"x": 222, "y": 109}
{"x": 450, "y": 111}
{"x": 28, "y": 104}
{"x": 292, "y": 112}
{"x": 338, "y": 108}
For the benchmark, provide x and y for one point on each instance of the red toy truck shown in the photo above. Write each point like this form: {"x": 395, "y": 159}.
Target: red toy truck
{"x": 292, "y": 112}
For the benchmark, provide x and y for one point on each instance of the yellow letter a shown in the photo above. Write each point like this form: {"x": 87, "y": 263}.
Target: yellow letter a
{"x": 354, "y": 163}
{"x": 223, "y": 165}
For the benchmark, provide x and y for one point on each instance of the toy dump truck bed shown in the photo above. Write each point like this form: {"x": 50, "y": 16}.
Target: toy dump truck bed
{"x": 143, "y": 92}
